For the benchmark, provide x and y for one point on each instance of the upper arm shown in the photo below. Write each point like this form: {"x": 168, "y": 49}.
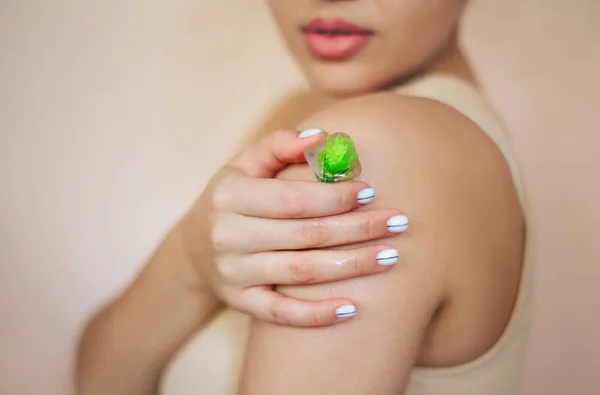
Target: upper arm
{"x": 434, "y": 164}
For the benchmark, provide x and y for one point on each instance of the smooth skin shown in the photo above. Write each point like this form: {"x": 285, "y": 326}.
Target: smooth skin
{"x": 451, "y": 295}
{"x": 231, "y": 247}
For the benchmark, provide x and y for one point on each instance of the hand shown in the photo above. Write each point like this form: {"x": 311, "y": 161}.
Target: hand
{"x": 249, "y": 232}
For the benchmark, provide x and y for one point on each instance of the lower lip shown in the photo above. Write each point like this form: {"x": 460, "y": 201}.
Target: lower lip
{"x": 335, "y": 47}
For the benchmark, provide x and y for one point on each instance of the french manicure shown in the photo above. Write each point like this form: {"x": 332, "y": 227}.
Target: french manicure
{"x": 310, "y": 132}
{"x": 387, "y": 257}
{"x": 345, "y": 311}
{"x": 397, "y": 224}
{"x": 365, "y": 196}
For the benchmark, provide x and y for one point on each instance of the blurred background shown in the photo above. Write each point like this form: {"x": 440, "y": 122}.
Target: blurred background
{"x": 113, "y": 114}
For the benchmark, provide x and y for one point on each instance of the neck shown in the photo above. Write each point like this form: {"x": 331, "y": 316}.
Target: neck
{"x": 449, "y": 61}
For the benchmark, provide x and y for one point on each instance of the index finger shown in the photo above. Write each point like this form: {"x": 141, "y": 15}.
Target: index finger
{"x": 275, "y": 151}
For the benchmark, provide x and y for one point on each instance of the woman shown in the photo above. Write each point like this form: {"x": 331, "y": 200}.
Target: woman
{"x": 347, "y": 298}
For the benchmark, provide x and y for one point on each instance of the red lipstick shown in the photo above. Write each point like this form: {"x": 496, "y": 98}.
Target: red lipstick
{"x": 335, "y": 39}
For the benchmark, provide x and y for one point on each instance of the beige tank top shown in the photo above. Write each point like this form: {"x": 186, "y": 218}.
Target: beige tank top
{"x": 500, "y": 370}
{"x": 212, "y": 361}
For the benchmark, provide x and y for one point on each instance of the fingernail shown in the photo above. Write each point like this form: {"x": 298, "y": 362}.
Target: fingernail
{"x": 345, "y": 311}
{"x": 310, "y": 132}
{"x": 365, "y": 196}
{"x": 387, "y": 257}
{"x": 397, "y": 224}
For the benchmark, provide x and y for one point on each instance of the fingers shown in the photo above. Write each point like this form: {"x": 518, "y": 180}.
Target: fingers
{"x": 271, "y": 198}
{"x": 309, "y": 267}
{"x": 274, "y": 152}
{"x": 271, "y": 306}
{"x": 231, "y": 234}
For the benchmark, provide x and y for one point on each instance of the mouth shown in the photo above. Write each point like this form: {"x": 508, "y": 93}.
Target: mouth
{"x": 335, "y": 39}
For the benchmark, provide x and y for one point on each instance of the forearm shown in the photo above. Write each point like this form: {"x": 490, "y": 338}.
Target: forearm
{"x": 127, "y": 345}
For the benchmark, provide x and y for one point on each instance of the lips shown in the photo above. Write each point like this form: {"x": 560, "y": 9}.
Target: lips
{"x": 335, "y": 39}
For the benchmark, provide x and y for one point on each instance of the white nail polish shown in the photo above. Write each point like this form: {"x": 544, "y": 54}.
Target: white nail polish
{"x": 345, "y": 311}
{"x": 397, "y": 224}
{"x": 365, "y": 196}
{"x": 387, "y": 257}
{"x": 310, "y": 132}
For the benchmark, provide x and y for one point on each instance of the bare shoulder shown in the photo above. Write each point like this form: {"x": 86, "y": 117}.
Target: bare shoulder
{"x": 450, "y": 295}
{"x": 385, "y": 119}
{"x": 466, "y": 237}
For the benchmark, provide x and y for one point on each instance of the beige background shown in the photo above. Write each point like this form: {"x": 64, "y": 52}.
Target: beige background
{"x": 114, "y": 113}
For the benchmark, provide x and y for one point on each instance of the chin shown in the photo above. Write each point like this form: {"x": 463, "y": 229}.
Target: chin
{"x": 339, "y": 80}
{"x": 340, "y": 89}
{"x": 342, "y": 80}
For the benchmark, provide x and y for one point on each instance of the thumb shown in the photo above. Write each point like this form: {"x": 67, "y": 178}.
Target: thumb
{"x": 275, "y": 151}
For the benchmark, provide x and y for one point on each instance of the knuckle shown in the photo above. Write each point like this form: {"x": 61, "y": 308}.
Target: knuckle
{"x": 292, "y": 201}
{"x": 302, "y": 270}
{"x": 282, "y": 133}
{"x": 220, "y": 199}
{"x": 356, "y": 265}
{"x": 314, "y": 233}
{"x": 342, "y": 198}
{"x": 368, "y": 227}
{"x": 277, "y": 138}
{"x": 222, "y": 194}
{"x": 315, "y": 318}
{"x": 219, "y": 237}
{"x": 227, "y": 271}
{"x": 278, "y": 314}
